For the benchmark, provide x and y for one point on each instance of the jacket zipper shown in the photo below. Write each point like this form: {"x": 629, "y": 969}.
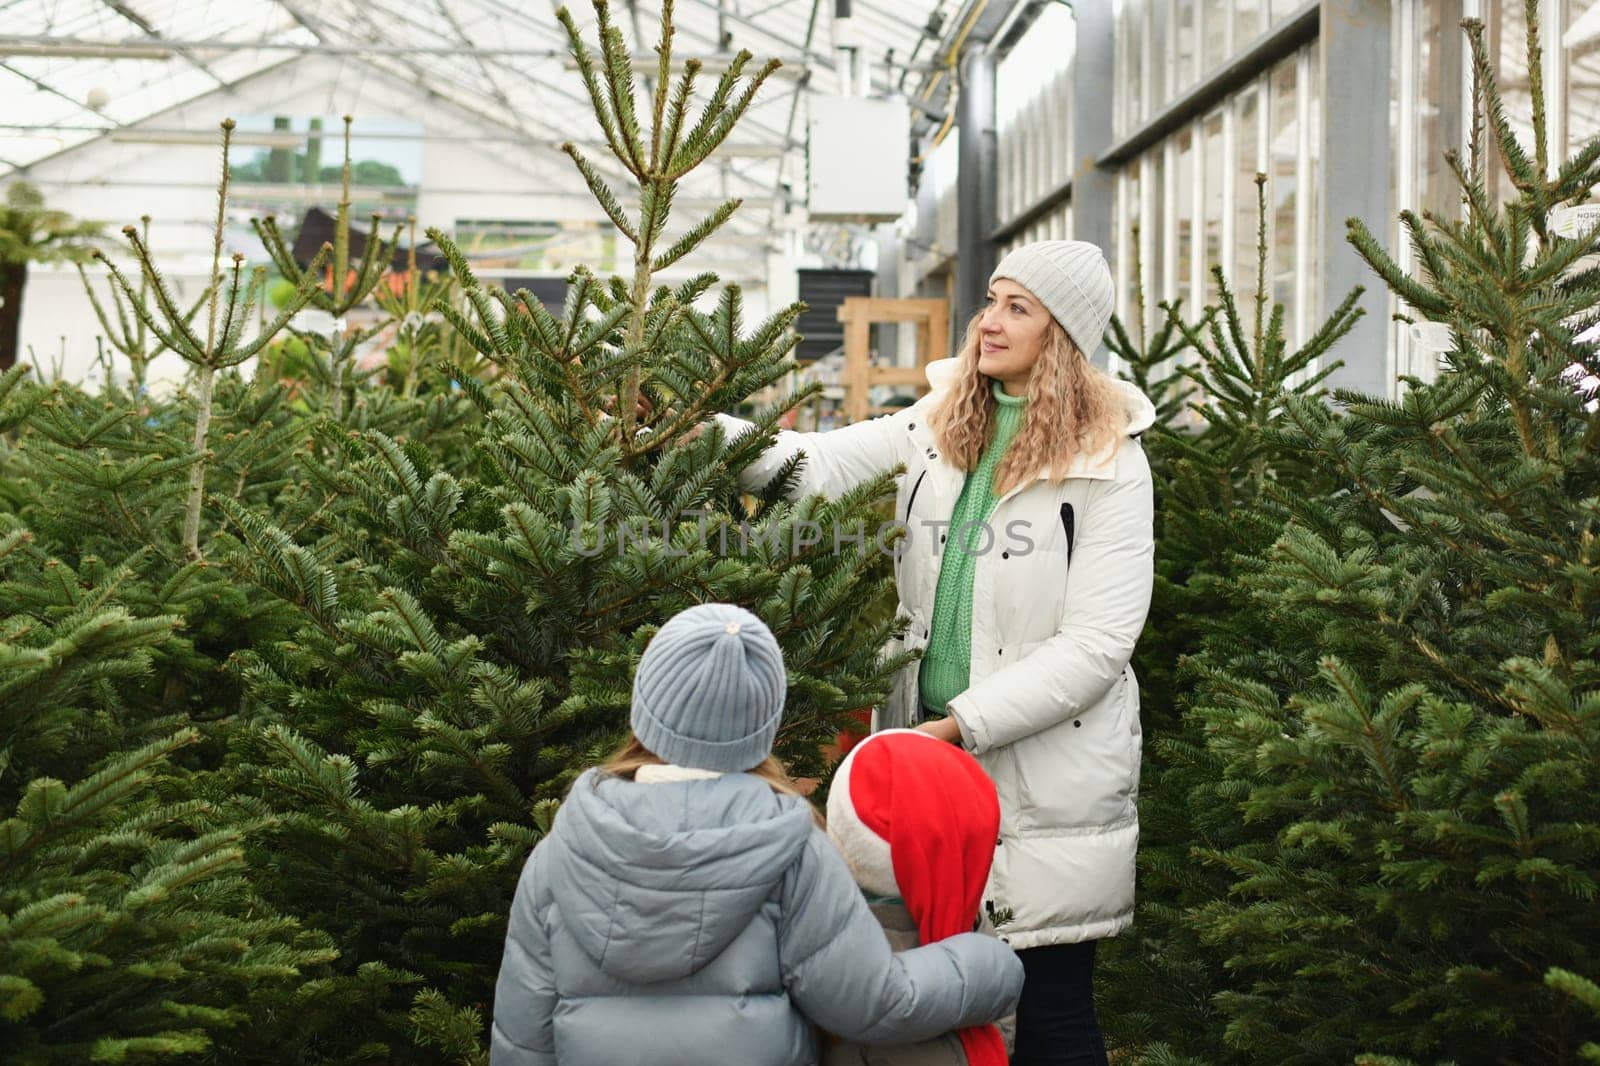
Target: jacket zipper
{"x": 1067, "y": 524}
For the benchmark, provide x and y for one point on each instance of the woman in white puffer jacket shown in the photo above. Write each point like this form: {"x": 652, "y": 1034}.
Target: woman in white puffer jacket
{"x": 1032, "y": 454}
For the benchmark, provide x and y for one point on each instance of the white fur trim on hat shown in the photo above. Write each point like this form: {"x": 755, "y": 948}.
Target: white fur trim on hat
{"x": 865, "y": 852}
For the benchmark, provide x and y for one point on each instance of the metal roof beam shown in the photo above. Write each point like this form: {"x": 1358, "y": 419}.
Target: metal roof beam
{"x": 815, "y": 58}
{"x": 40, "y": 45}
{"x": 46, "y": 87}
{"x": 177, "y": 135}
{"x": 109, "y": 130}
{"x": 150, "y": 30}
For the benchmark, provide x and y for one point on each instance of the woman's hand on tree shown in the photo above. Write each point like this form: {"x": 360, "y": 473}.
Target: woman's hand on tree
{"x": 642, "y": 407}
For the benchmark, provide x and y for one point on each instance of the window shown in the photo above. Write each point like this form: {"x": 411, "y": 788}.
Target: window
{"x": 1247, "y": 113}
{"x": 1033, "y": 85}
{"x": 1189, "y": 203}
{"x": 1127, "y": 234}
{"x": 1187, "y": 45}
{"x": 1283, "y": 188}
{"x": 1247, "y": 22}
{"x": 1184, "y": 205}
{"x": 1216, "y": 29}
{"x": 1581, "y": 72}
{"x": 1213, "y": 198}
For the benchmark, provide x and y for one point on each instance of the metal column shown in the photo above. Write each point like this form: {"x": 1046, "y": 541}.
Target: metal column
{"x": 976, "y": 181}
{"x": 1093, "y": 82}
{"x": 1355, "y": 179}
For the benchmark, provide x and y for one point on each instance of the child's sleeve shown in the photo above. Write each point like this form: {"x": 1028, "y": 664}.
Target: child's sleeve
{"x": 841, "y": 973}
{"x": 525, "y": 997}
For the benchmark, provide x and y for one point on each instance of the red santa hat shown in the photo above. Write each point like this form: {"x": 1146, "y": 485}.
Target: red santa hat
{"x": 918, "y": 818}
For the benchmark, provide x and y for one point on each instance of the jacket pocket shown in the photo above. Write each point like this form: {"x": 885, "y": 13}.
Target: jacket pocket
{"x": 911, "y": 500}
{"x": 908, "y": 543}
{"x": 1028, "y": 596}
{"x": 1080, "y": 773}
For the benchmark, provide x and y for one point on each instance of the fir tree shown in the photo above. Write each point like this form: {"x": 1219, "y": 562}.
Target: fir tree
{"x": 1223, "y": 477}
{"x": 1404, "y": 709}
{"x": 334, "y": 344}
{"x": 467, "y": 631}
{"x": 129, "y": 337}
{"x": 231, "y": 302}
{"x": 127, "y": 931}
{"x": 424, "y": 342}
{"x": 1583, "y": 990}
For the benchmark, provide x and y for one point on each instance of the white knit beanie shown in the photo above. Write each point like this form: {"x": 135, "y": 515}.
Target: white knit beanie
{"x": 1072, "y": 280}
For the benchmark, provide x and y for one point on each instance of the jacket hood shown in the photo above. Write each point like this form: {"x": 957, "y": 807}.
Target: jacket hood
{"x": 653, "y": 881}
{"x": 1141, "y": 412}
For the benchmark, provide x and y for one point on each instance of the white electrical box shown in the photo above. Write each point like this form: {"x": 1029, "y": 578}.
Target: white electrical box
{"x": 857, "y": 159}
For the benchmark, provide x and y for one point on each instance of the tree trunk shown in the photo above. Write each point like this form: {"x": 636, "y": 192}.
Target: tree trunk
{"x": 205, "y": 383}
{"x": 13, "y": 276}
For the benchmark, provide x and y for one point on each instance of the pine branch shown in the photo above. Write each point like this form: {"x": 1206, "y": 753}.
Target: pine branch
{"x": 601, "y": 192}
{"x": 591, "y": 80}
{"x": 697, "y": 235}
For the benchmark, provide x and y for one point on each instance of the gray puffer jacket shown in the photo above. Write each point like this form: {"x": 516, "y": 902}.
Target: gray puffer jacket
{"x": 945, "y": 1050}
{"x": 694, "y": 922}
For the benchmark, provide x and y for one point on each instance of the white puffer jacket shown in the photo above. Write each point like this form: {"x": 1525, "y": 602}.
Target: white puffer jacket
{"x": 1052, "y": 710}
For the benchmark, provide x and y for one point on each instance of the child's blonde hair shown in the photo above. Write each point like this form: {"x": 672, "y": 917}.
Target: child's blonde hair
{"x": 626, "y": 760}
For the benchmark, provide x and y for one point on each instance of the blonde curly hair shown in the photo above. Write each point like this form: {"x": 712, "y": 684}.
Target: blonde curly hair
{"x": 1073, "y": 408}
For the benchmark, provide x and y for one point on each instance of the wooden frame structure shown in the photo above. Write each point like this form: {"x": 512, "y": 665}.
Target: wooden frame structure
{"x": 859, "y": 314}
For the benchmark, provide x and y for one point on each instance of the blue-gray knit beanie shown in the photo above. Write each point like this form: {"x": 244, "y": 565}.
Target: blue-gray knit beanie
{"x": 709, "y": 689}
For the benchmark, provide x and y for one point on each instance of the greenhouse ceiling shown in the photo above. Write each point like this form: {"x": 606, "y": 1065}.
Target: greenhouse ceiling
{"x": 75, "y": 72}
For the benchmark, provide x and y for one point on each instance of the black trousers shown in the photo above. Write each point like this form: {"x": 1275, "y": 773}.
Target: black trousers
{"x": 1056, "y": 1025}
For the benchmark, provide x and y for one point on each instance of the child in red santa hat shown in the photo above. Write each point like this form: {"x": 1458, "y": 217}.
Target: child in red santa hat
{"x": 917, "y": 821}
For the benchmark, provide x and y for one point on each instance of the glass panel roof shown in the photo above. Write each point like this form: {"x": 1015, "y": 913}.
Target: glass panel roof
{"x": 74, "y": 70}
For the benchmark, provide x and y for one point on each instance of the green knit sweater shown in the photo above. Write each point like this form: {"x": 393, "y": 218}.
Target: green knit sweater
{"x": 947, "y": 664}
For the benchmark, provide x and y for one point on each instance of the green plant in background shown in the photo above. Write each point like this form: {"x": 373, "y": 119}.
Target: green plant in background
{"x": 230, "y": 304}
{"x": 127, "y": 929}
{"x": 129, "y": 337}
{"x": 423, "y": 340}
{"x": 334, "y": 341}
{"x": 30, "y": 233}
{"x": 1223, "y": 476}
{"x": 1586, "y": 992}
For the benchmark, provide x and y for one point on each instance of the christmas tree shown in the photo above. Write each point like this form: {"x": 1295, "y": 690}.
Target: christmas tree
{"x": 1223, "y": 476}
{"x": 128, "y": 931}
{"x": 466, "y": 630}
{"x": 135, "y": 931}
{"x": 1401, "y": 714}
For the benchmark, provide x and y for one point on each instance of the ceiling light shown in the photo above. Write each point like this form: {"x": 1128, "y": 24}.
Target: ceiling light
{"x": 258, "y": 139}
{"x": 84, "y": 49}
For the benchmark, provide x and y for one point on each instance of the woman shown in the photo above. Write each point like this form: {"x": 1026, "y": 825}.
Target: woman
{"x": 1031, "y": 453}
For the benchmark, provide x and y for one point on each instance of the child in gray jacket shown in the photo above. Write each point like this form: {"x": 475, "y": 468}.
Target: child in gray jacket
{"x": 686, "y": 908}
{"x": 916, "y": 819}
